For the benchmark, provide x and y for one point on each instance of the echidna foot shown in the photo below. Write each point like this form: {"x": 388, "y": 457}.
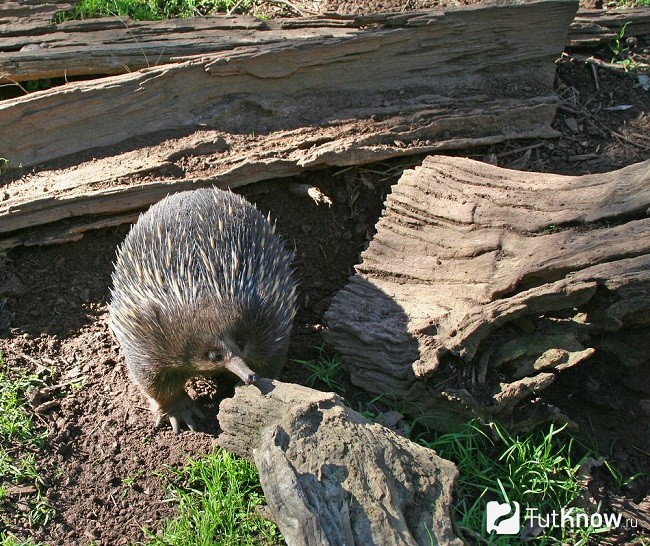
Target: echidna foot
{"x": 184, "y": 410}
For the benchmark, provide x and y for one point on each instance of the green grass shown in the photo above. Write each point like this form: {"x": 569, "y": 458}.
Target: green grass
{"x": 325, "y": 369}
{"x": 217, "y": 496}
{"x": 20, "y": 440}
{"x": 150, "y": 10}
{"x": 10, "y": 540}
{"x": 628, "y": 3}
{"x": 622, "y": 54}
{"x": 539, "y": 470}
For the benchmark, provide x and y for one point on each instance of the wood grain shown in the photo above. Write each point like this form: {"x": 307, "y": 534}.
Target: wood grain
{"x": 500, "y": 275}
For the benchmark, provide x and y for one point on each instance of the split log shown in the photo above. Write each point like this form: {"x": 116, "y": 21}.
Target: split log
{"x": 278, "y": 109}
{"x": 130, "y": 181}
{"x": 595, "y": 27}
{"x": 32, "y": 48}
{"x": 482, "y": 284}
{"x": 304, "y": 82}
{"x": 330, "y": 476}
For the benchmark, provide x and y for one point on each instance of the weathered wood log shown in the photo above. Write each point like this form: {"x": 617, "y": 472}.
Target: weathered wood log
{"x": 305, "y": 82}
{"x": 32, "y": 48}
{"x": 594, "y": 27}
{"x": 278, "y": 109}
{"x": 482, "y": 283}
{"x": 25, "y": 18}
{"x": 330, "y": 476}
{"x": 123, "y": 183}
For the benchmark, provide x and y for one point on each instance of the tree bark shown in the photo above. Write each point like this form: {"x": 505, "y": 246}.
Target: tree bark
{"x": 482, "y": 284}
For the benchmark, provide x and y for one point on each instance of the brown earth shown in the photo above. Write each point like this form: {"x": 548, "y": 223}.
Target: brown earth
{"x": 55, "y": 322}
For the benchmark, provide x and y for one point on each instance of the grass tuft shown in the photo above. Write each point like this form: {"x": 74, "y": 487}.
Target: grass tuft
{"x": 20, "y": 440}
{"x": 7, "y": 539}
{"x": 325, "y": 369}
{"x": 217, "y": 497}
{"x": 151, "y": 10}
{"x": 540, "y": 469}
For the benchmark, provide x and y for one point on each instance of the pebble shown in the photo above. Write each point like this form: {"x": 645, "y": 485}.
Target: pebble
{"x": 572, "y": 124}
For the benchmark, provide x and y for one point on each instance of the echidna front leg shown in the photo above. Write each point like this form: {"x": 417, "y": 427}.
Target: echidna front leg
{"x": 179, "y": 409}
{"x": 165, "y": 391}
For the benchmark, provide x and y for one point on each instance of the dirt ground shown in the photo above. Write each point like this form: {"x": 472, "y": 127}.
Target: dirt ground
{"x": 100, "y": 436}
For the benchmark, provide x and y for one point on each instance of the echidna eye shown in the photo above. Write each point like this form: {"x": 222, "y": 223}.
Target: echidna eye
{"x": 214, "y": 355}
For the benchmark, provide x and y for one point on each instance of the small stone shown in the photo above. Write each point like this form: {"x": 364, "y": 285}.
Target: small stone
{"x": 12, "y": 287}
{"x": 221, "y": 145}
{"x": 572, "y": 124}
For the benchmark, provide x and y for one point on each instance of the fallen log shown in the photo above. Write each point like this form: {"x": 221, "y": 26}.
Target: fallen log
{"x": 278, "y": 109}
{"x": 330, "y": 476}
{"x": 303, "y": 82}
{"x": 123, "y": 183}
{"x": 32, "y": 48}
{"x": 482, "y": 284}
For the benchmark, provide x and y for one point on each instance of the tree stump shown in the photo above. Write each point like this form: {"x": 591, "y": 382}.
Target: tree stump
{"x": 482, "y": 284}
{"x": 332, "y": 477}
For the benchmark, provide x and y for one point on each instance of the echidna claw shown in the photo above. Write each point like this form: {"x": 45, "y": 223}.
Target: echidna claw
{"x": 179, "y": 415}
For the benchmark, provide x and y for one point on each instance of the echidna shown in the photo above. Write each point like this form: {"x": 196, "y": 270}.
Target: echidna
{"x": 202, "y": 287}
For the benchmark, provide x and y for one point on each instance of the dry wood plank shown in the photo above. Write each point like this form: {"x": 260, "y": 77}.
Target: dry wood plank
{"x": 299, "y": 83}
{"x": 32, "y": 48}
{"x": 332, "y": 477}
{"x": 481, "y": 281}
{"x": 122, "y": 183}
{"x": 118, "y": 46}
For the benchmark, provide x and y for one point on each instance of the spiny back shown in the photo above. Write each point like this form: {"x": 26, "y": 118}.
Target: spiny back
{"x": 201, "y": 248}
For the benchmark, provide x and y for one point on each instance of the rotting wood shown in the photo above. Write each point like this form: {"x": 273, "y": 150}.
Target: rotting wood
{"x": 330, "y": 476}
{"x": 303, "y": 82}
{"x": 482, "y": 283}
{"x": 96, "y": 187}
{"x": 32, "y": 48}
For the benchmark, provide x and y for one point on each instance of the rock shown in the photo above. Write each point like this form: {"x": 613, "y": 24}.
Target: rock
{"x": 12, "y": 287}
{"x": 331, "y": 476}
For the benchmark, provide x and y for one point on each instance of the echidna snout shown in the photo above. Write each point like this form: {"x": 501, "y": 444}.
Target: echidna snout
{"x": 202, "y": 286}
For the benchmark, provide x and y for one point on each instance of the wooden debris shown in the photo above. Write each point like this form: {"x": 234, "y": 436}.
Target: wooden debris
{"x": 595, "y": 27}
{"x": 332, "y": 477}
{"x": 482, "y": 283}
{"x": 302, "y": 82}
{"x": 277, "y": 109}
{"x": 28, "y": 18}
{"x": 33, "y": 48}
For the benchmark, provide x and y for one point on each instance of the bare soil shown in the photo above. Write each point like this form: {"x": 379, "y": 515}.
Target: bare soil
{"x": 101, "y": 436}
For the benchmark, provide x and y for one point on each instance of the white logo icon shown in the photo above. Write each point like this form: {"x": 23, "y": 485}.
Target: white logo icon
{"x": 503, "y": 518}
